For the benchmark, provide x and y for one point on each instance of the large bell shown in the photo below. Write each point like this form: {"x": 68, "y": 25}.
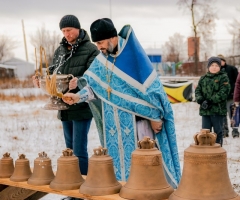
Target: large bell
{"x": 22, "y": 170}
{"x": 205, "y": 173}
{"x": 101, "y": 179}
{"x": 42, "y": 171}
{"x": 6, "y": 166}
{"x": 68, "y": 175}
{"x": 146, "y": 179}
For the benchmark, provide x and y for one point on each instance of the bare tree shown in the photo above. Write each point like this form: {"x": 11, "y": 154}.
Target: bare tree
{"x": 174, "y": 48}
{"x": 238, "y": 33}
{"x": 203, "y": 25}
{"x": 49, "y": 41}
{"x": 7, "y": 45}
{"x": 234, "y": 30}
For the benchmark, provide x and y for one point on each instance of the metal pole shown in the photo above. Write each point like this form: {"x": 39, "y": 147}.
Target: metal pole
{"x": 24, "y": 38}
{"x": 110, "y": 7}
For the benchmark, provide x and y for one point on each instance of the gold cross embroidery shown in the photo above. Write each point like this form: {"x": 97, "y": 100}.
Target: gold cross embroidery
{"x": 109, "y": 90}
{"x": 109, "y": 75}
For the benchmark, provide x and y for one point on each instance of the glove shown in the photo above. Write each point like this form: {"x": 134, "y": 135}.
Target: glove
{"x": 200, "y": 101}
{"x": 207, "y": 104}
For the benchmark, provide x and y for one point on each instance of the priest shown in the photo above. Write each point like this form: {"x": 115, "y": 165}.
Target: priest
{"x": 127, "y": 100}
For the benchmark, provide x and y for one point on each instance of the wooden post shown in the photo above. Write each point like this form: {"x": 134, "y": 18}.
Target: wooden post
{"x": 24, "y": 39}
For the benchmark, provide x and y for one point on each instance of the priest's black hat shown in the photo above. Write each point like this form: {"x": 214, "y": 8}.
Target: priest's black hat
{"x": 102, "y": 29}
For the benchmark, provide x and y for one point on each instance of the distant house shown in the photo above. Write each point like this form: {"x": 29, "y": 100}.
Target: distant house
{"x": 16, "y": 67}
{"x": 7, "y": 71}
{"x": 155, "y": 56}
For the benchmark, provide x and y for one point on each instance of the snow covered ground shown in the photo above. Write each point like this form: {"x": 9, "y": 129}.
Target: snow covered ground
{"x": 26, "y": 128}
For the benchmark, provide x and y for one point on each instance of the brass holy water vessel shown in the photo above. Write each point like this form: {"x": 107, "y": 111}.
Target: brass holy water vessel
{"x": 205, "y": 173}
{"x": 55, "y": 86}
{"x": 146, "y": 179}
{"x": 22, "y": 170}
{"x": 42, "y": 171}
{"x": 6, "y": 166}
{"x": 100, "y": 179}
{"x": 68, "y": 175}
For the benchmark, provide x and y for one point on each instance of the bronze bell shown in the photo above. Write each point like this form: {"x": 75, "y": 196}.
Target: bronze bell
{"x": 42, "y": 171}
{"x": 68, "y": 175}
{"x": 101, "y": 178}
{"x": 6, "y": 166}
{"x": 22, "y": 170}
{"x": 205, "y": 173}
{"x": 146, "y": 179}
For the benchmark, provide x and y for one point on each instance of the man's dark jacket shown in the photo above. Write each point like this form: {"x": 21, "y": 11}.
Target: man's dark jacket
{"x": 232, "y": 73}
{"x": 74, "y": 60}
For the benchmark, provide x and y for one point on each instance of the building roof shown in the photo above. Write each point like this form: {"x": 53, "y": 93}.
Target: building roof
{"x": 153, "y": 51}
{"x": 17, "y": 62}
{"x": 7, "y": 66}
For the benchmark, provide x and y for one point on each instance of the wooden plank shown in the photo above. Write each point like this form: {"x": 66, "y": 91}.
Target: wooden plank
{"x": 37, "y": 195}
{"x": 47, "y": 189}
{"x": 15, "y": 193}
{"x": 2, "y": 187}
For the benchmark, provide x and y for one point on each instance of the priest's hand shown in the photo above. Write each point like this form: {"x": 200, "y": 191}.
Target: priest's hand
{"x": 71, "y": 98}
{"x": 73, "y": 83}
{"x": 156, "y": 126}
{"x": 36, "y": 82}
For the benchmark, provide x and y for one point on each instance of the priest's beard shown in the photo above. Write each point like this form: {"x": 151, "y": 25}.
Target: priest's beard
{"x": 110, "y": 48}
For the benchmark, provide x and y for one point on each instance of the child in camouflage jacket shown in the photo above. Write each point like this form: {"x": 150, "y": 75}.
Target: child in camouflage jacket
{"x": 211, "y": 93}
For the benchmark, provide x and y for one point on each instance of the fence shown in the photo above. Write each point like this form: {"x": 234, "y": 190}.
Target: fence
{"x": 180, "y": 69}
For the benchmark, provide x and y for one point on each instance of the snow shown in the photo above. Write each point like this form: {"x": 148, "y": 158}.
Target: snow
{"x": 27, "y": 128}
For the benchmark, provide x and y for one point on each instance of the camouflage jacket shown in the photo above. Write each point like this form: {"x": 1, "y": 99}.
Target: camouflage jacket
{"x": 214, "y": 88}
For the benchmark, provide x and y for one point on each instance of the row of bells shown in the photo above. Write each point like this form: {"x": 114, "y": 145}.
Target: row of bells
{"x": 205, "y": 174}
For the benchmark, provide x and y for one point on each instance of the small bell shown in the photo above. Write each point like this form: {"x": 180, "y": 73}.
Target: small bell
{"x": 22, "y": 170}
{"x": 6, "y": 166}
{"x": 42, "y": 171}
{"x": 68, "y": 175}
{"x": 101, "y": 179}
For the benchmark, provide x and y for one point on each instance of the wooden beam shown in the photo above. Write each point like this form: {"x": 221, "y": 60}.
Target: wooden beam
{"x": 2, "y": 187}
{"x": 37, "y": 195}
{"x": 15, "y": 193}
{"x": 47, "y": 189}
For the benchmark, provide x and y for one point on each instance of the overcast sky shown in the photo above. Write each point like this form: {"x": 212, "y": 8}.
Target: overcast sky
{"x": 153, "y": 21}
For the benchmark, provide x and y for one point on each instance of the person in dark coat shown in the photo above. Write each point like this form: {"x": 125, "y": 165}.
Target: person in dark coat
{"x": 74, "y": 56}
{"x": 236, "y": 97}
{"x": 211, "y": 93}
{"x": 232, "y": 73}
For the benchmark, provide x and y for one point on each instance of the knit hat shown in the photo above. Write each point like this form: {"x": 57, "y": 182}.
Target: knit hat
{"x": 222, "y": 57}
{"x": 69, "y": 21}
{"x": 102, "y": 29}
{"x": 216, "y": 60}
